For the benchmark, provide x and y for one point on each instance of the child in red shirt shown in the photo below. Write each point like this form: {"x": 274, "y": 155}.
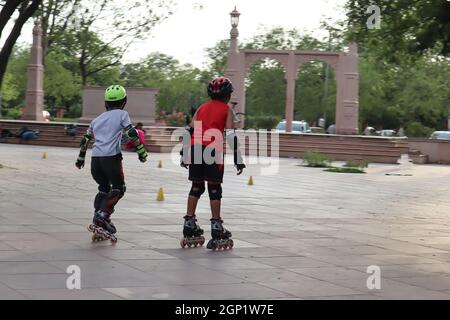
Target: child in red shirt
{"x": 204, "y": 157}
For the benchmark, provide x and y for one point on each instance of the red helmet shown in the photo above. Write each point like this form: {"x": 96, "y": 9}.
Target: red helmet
{"x": 220, "y": 87}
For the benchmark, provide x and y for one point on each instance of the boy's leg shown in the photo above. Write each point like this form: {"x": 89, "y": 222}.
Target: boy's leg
{"x": 215, "y": 197}
{"x": 197, "y": 176}
{"x": 193, "y": 234}
{"x": 100, "y": 176}
{"x": 220, "y": 237}
{"x": 197, "y": 189}
{"x": 214, "y": 175}
{"x": 102, "y": 180}
{"x": 114, "y": 170}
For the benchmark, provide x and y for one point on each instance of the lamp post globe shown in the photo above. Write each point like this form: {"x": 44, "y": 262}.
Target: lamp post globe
{"x": 235, "y": 18}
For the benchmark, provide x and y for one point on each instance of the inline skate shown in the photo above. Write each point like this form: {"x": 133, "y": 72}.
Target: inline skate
{"x": 221, "y": 237}
{"x": 193, "y": 234}
{"x": 102, "y": 228}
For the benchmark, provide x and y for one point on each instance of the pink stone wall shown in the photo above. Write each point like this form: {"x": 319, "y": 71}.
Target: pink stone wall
{"x": 438, "y": 151}
{"x": 141, "y": 104}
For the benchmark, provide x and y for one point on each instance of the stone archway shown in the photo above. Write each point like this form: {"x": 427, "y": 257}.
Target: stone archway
{"x": 345, "y": 65}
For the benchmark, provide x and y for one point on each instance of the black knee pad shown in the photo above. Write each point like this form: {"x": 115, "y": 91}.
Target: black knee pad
{"x": 215, "y": 191}
{"x": 118, "y": 192}
{"x": 198, "y": 188}
{"x": 123, "y": 190}
{"x": 104, "y": 188}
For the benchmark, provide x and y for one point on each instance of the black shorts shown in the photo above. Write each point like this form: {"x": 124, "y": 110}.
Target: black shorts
{"x": 205, "y": 171}
{"x": 108, "y": 172}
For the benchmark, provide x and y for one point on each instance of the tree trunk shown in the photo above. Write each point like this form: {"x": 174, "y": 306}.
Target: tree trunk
{"x": 5, "y": 53}
{"x": 83, "y": 79}
{"x": 83, "y": 72}
{"x": 7, "y": 12}
{"x": 46, "y": 14}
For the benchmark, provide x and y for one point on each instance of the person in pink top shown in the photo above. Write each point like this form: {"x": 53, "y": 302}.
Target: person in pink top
{"x": 141, "y": 136}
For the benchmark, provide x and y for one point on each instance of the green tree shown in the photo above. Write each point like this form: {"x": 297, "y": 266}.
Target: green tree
{"x": 218, "y": 58}
{"x": 403, "y": 82}
{"x": 99, "y": 33}
{"x": 62, "y": 86}
{"x": 266, "y": 86}
{"x": 310, "y": 102}
{"x": 180, "y": 86}
{"x": 412, "y": 26}
{"x": 266, "y": 89}
{"x": 13, "y": 93}
{"x": 25, "y": 9}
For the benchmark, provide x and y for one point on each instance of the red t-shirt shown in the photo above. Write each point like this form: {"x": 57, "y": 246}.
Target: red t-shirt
{"x": 210, "y": 122}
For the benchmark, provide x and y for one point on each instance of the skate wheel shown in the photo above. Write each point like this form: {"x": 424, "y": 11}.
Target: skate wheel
{"x": 182, "y": 243}
{"x": 231, "y": 244}
{"x": 189, "y": 244}
{"x": 90, "y": 228}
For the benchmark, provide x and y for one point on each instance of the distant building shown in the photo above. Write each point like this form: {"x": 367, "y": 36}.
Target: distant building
{"x": 141, "y": 104}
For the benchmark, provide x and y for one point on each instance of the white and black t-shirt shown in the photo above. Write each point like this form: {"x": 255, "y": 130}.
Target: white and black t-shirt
{"x": 107, "y": 131}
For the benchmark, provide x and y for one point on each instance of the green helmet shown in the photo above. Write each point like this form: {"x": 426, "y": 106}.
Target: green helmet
{"x": 115, "y": 93}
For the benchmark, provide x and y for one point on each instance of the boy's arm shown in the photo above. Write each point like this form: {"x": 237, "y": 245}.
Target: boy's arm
{"x": 132, "y": 135}
{"x": 186, "y": 141}
{"x": 233, "y": 142}
{"x": 84, "y": 145}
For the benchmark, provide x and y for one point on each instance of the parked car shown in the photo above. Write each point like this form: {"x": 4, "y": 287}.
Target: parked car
{"x": 331, "y": 129}
{"x": 387, "y": 133}
{"x": 370, "y": 131}
{"x": 440, "y": 135}
{"x": 297, "y": 127}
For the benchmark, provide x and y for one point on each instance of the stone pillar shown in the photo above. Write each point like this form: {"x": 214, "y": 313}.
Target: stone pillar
{"x": 291, "y": 75}
{"x": 35, "y": 79}
{"x": 347, "y": 103}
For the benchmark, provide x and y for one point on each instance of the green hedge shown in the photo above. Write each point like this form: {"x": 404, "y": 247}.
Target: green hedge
{"x": 14, "y": 113}
{"x": 261, "y": 122}
{"x": 417, "y": 130}
{"x": 316, "y": 160}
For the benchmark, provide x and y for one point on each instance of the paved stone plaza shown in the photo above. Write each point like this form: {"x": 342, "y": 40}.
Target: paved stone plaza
{"x": 300, "y": 234}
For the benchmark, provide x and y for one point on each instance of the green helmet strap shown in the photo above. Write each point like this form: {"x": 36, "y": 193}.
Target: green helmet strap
{"x": 115, "y": 93}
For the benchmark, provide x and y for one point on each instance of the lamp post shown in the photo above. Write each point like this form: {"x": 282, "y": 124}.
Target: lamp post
{"x": 233, "y": 67}
{"x": 234, "y": 18}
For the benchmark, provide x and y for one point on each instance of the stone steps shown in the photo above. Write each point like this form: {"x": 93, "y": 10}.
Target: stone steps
{"x": 158, "y": 139}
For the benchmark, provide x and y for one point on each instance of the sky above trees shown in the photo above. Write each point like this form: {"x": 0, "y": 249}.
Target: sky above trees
{"x": 199, "y": 24}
